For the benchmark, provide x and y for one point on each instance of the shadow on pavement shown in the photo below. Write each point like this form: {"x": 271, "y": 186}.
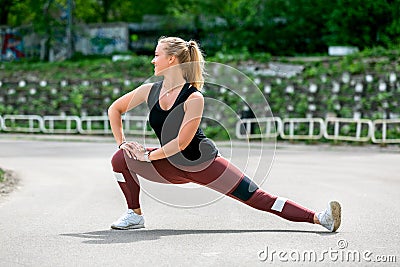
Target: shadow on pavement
{"x": 129, "y": 236}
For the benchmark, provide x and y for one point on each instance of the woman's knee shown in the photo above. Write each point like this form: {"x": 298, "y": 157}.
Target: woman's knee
{"x": 118, "y": 161}
{"x": 245, "y": 189}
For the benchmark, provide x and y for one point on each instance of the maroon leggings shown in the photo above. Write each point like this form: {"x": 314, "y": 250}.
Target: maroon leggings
{"x": 218, "y": 174}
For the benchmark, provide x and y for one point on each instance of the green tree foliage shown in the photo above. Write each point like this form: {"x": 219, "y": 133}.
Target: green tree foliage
{"x": 290, "y": 26}
{"x": 16, "y": 12}
{"x": 90, "y": 11}
{"x": 280, "y": 27}
{"x": 363, "y": 23}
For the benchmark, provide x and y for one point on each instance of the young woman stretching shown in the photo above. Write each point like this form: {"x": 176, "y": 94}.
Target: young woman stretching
{"x": 186, "y": 155}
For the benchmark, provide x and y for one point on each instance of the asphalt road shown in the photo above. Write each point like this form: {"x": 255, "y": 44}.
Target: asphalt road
{"x": 61, "y": 212}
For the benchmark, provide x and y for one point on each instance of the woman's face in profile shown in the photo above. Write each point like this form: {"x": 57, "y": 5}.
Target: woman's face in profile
{"x": 160, "y": 60}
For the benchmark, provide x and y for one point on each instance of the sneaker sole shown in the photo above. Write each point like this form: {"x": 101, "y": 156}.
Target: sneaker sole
{"x": 336, "y": 214}
{"x": 136, "y": 226}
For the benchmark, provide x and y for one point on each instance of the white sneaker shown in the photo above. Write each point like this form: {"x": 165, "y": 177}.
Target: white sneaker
{"x": 129, "y": 220}
{"x": 331, "y": 217}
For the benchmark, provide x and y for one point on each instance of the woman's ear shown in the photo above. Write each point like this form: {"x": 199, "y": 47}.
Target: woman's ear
{"x": 171, "y": 59}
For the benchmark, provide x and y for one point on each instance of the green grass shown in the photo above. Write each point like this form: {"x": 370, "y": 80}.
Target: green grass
{"x": 2, "y": 173}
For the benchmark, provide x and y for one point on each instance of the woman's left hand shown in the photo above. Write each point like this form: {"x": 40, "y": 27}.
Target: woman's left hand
{"x": 139, "y": 151}
{"x": 140, "y": 156}
{"x": 135, "y": 150}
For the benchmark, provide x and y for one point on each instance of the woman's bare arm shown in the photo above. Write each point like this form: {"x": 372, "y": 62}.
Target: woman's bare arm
{"x": 124, "y": 104}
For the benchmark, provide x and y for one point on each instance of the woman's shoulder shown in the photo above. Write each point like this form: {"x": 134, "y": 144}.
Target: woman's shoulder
{"x": 195, "y": 97}
{"x": 148, "y": 88}
{"x": 195, "y": 94}
{"x": 151, "y": 85}
{"x": 189, "y": 91}
{"x": 144, "y": 86}
{"x": 193, "y": 90}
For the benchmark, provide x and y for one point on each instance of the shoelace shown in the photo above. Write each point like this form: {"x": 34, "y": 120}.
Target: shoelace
{"x": 125, "y": 216}
{"x": 326, "y": 219}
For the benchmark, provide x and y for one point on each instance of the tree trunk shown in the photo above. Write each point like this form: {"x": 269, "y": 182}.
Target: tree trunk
{"x": 4, "y": 11}
{"x": 106, "y": 9}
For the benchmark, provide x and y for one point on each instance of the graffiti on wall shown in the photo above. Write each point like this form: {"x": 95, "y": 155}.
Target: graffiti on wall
{"x": 101, "y": 39}
{"x": 107, "y": 40}
{"x": 12, "y": 45}
{"x": 89, "y": 40}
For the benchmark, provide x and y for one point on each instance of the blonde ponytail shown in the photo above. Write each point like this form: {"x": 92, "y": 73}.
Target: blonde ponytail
{"x": 190, "y": 56}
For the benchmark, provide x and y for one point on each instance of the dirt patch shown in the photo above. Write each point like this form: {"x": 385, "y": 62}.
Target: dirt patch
{"x": 8, "y": 182}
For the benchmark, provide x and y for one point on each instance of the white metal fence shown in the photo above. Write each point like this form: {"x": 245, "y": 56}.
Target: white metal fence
{"x": 270, "y": 128}
{"x": 340, "y": 129}
{"x": 22, "y": 123}
{"x": 70, "y": 124}
{"x": 383, "y": 132}
{"x": 292, "y": 123}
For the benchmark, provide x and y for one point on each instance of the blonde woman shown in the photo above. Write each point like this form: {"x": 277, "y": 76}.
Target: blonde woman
{"x": 186, "y": 154}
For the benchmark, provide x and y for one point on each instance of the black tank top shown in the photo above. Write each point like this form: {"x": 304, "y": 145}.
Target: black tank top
{"x": 166, "y": 125}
